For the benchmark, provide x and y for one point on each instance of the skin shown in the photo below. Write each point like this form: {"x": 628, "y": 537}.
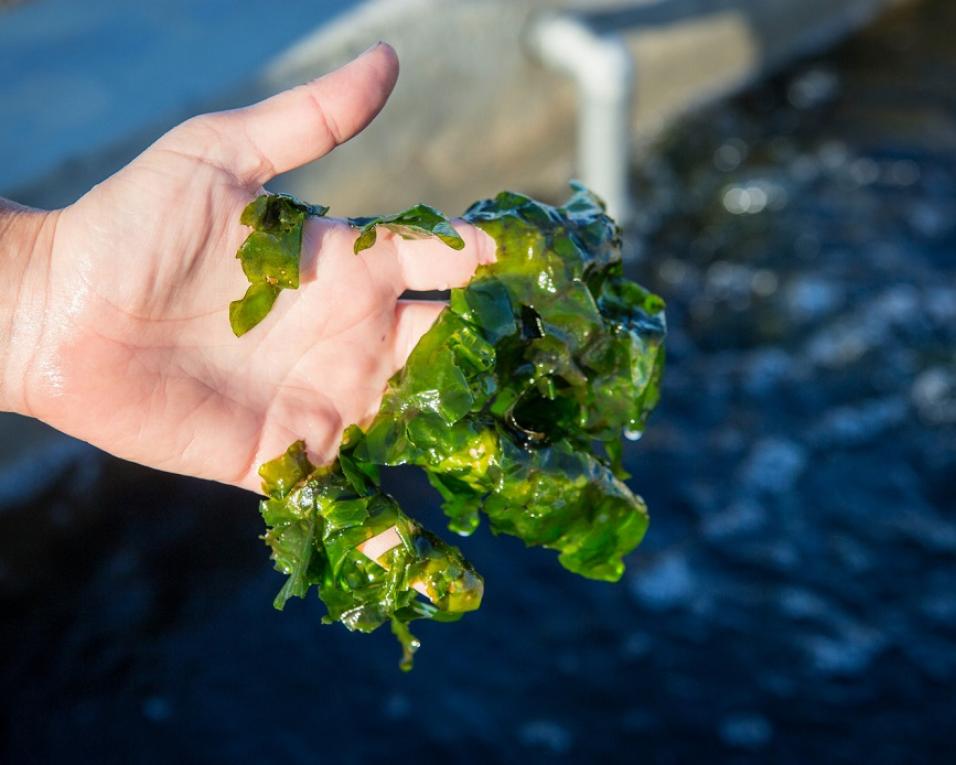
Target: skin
{"x": 114, "y": 310}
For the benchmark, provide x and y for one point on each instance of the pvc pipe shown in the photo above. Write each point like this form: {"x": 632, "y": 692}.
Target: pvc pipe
{"x": 603, "y": 71}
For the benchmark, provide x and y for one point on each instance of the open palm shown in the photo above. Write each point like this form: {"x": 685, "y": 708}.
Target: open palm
{"x": 137, "y": 355}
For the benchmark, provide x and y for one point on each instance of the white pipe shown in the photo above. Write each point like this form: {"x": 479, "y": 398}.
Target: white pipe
{"x": 603, "y": 70}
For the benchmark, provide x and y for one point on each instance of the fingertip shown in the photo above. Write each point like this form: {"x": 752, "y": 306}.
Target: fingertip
{"x": 383, "y": 57}
{"x": 413, "y": 318}
{"x": 480, "y": 244}
{"x": 389, "y": 53}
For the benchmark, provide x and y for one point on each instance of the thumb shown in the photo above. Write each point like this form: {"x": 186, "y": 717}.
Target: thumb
{"x": 283, "y": 132}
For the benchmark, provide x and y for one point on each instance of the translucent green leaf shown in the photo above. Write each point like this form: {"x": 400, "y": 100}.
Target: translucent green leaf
{"x": 418, "y": 222}
{"x": 254, "y": 306}
{"x": 280, "y": 475}
{"x": 269, "y": 255}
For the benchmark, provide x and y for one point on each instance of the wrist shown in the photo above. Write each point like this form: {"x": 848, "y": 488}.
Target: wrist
{"x": 26, "y": 243}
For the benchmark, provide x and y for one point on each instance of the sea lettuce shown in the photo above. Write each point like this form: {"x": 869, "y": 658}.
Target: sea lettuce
{"x": 269, "y": 255}
{"x": 514, "y": 404}
{"x": 416, "y": 222}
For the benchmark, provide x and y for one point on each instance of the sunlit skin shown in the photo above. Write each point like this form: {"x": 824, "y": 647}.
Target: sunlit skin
{"x": 118, "y": 304}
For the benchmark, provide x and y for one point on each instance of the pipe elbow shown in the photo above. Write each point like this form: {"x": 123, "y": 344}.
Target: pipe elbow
{"x": 601, "y": 65}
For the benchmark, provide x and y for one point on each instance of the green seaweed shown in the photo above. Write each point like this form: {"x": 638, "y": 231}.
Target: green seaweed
{"x": 418, "y": 222}
{"x": 514, "y": 404}
{"x": 269, "y": 255}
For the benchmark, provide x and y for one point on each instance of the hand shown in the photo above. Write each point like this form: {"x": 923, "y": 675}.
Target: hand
{"x": 132, "y": 349}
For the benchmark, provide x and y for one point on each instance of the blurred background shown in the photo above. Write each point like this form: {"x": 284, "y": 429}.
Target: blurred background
{"x": 787, "y": 170}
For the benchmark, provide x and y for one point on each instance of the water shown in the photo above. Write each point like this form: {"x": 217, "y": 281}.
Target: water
{"x": 79, "y": 71}
{"x": 795, "y": 599}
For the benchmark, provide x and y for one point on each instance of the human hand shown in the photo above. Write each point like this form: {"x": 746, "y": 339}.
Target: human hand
{"x": 130, "y": 346}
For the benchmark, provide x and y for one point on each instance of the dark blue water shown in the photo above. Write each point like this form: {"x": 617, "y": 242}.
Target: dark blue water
{"x": 795, "y": 599}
